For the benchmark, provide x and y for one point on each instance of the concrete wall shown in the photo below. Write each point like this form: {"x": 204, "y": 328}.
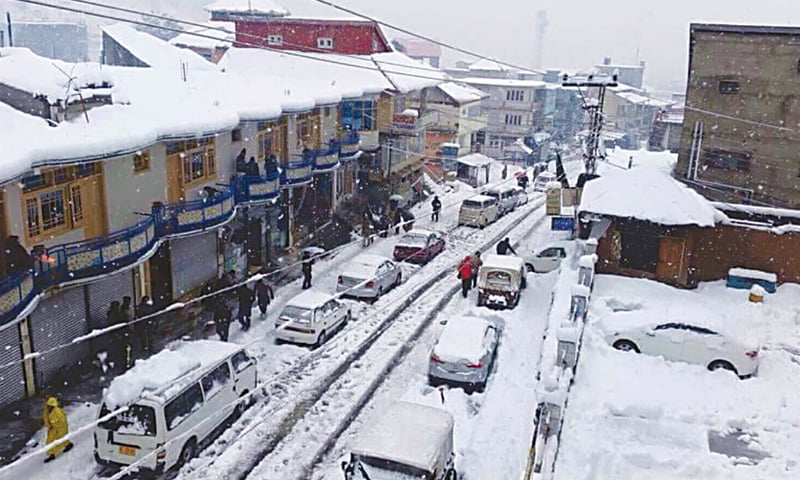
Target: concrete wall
{"x": 128, "y": 192}
{"x": 329, "y": 123}
{"x": 766, "y": 68}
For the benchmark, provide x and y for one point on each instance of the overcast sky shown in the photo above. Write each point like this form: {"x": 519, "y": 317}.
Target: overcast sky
{"x": 580, "y": 32}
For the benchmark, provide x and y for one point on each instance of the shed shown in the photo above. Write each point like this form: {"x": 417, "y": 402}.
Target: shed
{"x": 473, "y": 169}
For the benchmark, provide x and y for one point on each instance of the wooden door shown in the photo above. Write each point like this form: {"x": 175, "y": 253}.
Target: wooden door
{"x": 91, "y": 195}
{"x": 671, "y": 257}
{"x": 175, "y": 190}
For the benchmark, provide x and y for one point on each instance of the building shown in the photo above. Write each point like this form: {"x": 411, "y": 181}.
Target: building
{"x": 632, "y": 75}
{"x": 210, "y": 41}
{"x": 421, "y": 50}
{"x": 631, "y": 112}
{"x": 666, "y": 131}
{"x": 64, "y": 41}
{"x": 739, "y": 141}
{"x": 263, "y": 23}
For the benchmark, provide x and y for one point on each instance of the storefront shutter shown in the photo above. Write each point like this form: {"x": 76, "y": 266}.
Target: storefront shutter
{"x": 12, "y": 378}
{"x": 194, "y": 261}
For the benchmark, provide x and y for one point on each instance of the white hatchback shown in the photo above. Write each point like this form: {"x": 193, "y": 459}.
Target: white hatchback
{"x": 692, "y": 344}
{"x": 549, "y": 258}
{"x": 310, "y": 318}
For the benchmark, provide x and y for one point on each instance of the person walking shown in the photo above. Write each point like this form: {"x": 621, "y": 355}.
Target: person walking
{"x": 264, "y": 295}
{"x": 252, "y": 167}
{"x": 146, "y": 329}
{"x": 504, "y": 247}
{"x": 476, "y": 262}
{"x": 307, "y": 263}
{"x": 246, "y": 299}
{"x": 465, "y": 274}
{"x": 436, "y": 204}
{"x": 55, "y": 421}
{"x": 366, "y": 229}
{"x": 116, "y": 340}
{"x": 505, "y": 171}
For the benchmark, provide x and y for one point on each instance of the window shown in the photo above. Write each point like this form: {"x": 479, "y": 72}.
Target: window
{"x": 274, "y": 40}
{"x": 513, "y": 119}
{"x": 193, "y": 167}
{"x": 360, "y": 115}
{"x": 325, "y": 42}
{"x": 61, "y": 175}
{"x": 179, "y": 409}
{"x": 240, "y": 361}
{"x": 216, "y": 380}
{"x": 727, "y": 160}
{"x": 52, "y": 209}
{"x": 76, "y": 204}
{"x": 84, "y": 170}
{"x": 198, "y": 159}
{"x": 141, "y": 161}
{"x": 236, "y": 135}
{"x": 728, "y": 86}
{"x": 515, "y": 95}
{"x": 137, "y": 420}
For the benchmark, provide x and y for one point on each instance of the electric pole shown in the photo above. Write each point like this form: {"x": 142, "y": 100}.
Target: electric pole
{"x": 594, "y": 108}
{"x": 541, "y": 27}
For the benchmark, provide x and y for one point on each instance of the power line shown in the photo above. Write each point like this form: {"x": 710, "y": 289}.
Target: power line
{"x": 739, "y": 119}
{"x": 417, "y": 35}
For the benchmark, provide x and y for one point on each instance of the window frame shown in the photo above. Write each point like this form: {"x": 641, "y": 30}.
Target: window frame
{"x": 275, "y": 39}
{"x": 141, "y": 161}
{"x": 205, "y": 148}
{"x": 325, "y": 43}
{"x": 728, "y": 87}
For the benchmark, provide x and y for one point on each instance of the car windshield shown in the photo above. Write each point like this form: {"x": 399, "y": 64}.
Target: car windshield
{"x": 370, "y": 468}
{"x": 298, "y": 314}
{"x": 414, "y": 239}
{"x": 498, "y": 277}
{"x": 137, "y": 420}
{"x": 473, "y": 204}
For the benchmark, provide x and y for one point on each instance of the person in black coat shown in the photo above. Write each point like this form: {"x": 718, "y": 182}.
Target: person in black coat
{"x": 264, "y": 295}
{"x": 504, "y": 247}
{"x": 145, "y": 329}
{"x": 241, "y": 161}
{"x": 252, "y": 167}
{"x": 436, "y": 204}
{"x": 222, "y": 319}
{"x": 307, "y": 262}
{"x": 16, "y": 257}
{"x": 246, "y": 299}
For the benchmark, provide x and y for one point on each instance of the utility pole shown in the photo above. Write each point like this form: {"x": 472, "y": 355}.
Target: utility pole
{"x": 594, "y": 108}
{"x": 541, "y": 27}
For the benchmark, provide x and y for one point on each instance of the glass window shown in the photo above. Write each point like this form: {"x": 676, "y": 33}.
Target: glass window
{"x": 241, "y": 361}
{"x": 179, "y": 409}
{"x": 216, "y": 380}
{"x": 141, "y": 161}
{"x": 137, "y": 420}
{"x": 76, "y": 204}
{"x": 52, "y": 205}
{"x": 32, "y": 217}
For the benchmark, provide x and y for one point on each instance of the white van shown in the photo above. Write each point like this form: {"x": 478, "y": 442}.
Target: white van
{"x": 479, "y": 211}
{"x": 175, "y": 399}
{"x": 540, "y": 184}
{"x": 505, "y": 196}
{"x": 410, "y": 442}
{"x": 310, "y": 318}
{"x": 522, "y": 195}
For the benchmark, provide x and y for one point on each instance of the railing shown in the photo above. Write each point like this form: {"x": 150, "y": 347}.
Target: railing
{"x": 253, "y": 188}
{"x": 369, "y": 139}
{"x": 327, "y": 158}
{"x": 201, "y": 214}
{"x": 298, "y": 170}
{"x": 16, "y": 290}
{"x": 349, "y": 141}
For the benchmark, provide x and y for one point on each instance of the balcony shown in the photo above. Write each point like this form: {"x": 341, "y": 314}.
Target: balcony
{"x": 196, "y": 215}
{"x": 256, "y": 188}
{"x": 369, "y": 140}
{"x": 16, "y": 292}
{"x": 349, "y": 143}
{"x": 413, "y": 124}
{"x": 298, "y": 170}
{"x": 326, "y": 159}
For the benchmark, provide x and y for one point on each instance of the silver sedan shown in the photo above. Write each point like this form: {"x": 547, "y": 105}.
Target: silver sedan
{"x": 369, "y": 276}
{"x": 464, "y": 354}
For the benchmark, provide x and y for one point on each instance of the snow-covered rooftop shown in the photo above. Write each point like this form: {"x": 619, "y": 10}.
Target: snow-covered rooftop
{"x": 409, "y": 434}
{"x": 647, "y": 194}
{"x": 223, "y": 34}
{"x": 502, "y": 261}
{"x": 263, "y": 7}
{"x": 475, "y": 160}
{"x": 504, "y": 82}
{"x": 462, "y": 93}
{"x": 155, "y": 52}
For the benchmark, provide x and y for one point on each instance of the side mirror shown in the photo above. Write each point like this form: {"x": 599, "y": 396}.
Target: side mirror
{"x": 650, "y": 333}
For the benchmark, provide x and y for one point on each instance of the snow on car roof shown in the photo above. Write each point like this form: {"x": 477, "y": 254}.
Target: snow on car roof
{"x": 165, "y": 368}
{"x": 363, "y": 266}
{"x": 409, "y": 434}
{"x": 461, "y": 339}
{"x": 310, "y": 299}
{"x": 481, "y": 198}
{"x": 502, "y": 261}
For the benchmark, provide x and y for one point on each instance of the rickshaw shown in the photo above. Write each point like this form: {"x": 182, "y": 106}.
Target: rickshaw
{"x": 501, "y": 279}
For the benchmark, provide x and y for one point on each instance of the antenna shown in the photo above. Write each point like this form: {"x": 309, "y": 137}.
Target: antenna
{"x": 70, "y": 78}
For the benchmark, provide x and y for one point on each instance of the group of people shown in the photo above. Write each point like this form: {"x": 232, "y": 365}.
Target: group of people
{"x": 122, "y": 339}
{"x": 250, "y": 167}
{"x": 222, "y": 292}
{"x": 468, "y": 272}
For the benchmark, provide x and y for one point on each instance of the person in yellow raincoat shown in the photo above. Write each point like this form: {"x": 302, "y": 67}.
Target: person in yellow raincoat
{"x": 55, "y": 420}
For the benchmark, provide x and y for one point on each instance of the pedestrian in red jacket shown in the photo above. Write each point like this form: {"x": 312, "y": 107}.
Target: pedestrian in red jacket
{"x": 465, "y": 274}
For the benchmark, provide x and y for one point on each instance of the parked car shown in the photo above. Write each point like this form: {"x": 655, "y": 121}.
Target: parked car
{"x": 690, "y": 343}
{"x": 549, "y": 258}
{"x": 478, "y": 211}
{"x": 369, "y": 276}
{"x": 522, "y": 195}
{"x": 309, "y": 318}
{"x": 505, "y": 196}
{"x": 418, "y": 246}
{"x": 464, "y": 354}
{"x": 409, "y": 441}
{"x": 175, "y": 400}
{"x": 501, "y": 279}
{"x": 541, "y": 181}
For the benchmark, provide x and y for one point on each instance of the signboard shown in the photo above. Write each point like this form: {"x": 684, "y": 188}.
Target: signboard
{"x": 403, "y": 121}
{"x": 553, "y": 201}
{"x": 562, "y": 224}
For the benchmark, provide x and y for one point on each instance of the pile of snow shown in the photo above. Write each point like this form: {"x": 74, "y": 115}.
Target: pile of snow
{"x": 222, "y": 35}
{"x": 630, "y": 194}
{"x": 156, "y": 52}
{"x": 462, "y": 339}
{"x": 663, "y": 161}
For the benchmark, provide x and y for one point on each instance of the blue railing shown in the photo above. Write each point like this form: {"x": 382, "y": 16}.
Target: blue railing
{"x": 201, "y": 214}
{"x": 253, "y": 188}
{"x": 327, "y": 158}
{"x": 298, "y": 170}
{"x": 16, "y": 291}
{"x": 349, "y": 143}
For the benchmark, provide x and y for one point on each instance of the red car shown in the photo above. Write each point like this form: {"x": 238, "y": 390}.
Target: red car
{"x": 418, "y": 246}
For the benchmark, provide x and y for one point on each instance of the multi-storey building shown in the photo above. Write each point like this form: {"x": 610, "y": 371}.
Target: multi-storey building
{"x": 739, "y": 142}
{"x": 122, "y": 181}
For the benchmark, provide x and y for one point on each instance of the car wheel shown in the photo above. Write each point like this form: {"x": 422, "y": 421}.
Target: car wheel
{"x": 321, "y": 339}
{"x": 380, "y": 293}
{"x": 398, "y": 280}
{"x": 722, "y": 365}
{"x": 626, "y": 346}
{"x": 530, "y": 268}
{"x": 524, "y": 283}
{"x": 188, "y": 452}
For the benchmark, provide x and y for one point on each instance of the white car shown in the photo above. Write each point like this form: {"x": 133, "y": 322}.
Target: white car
{"x": 464, "y": 354}
{"x": 549, "y": 258}
{"x": 369, "y": 276}
{"x": 540, "y": 184}
{"x": 684, "y": 342}
{"x": 310, "y": 318}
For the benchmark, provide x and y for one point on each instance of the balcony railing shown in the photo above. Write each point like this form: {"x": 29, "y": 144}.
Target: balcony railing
{"x": 16, "y": 291}
{"x": 369, "y": 139}
{"x": 255, "y": 188}
{"x": 298, "y": 170}
{"x": 326, "y": 159}
{"x": 196, "y": 215}
{"x": 349, "y": 141}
